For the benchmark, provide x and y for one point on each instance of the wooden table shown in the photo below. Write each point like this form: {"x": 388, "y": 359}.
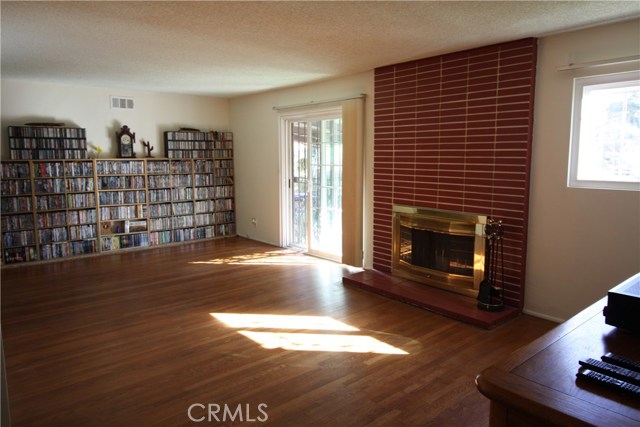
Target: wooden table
{"x": 537, "y": 384}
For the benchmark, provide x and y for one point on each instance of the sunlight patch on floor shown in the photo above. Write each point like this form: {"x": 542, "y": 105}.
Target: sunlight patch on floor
{"x": 321, "y": 342}
{"x": 276, "y": 321}
{"x": 278, "y": 257}
{"x": 281, "y": 335}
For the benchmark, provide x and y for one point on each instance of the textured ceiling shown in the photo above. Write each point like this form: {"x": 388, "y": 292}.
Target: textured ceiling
{"x": 234, "y": 48}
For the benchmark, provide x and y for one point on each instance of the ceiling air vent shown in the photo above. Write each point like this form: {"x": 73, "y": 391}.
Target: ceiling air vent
{"x": 122, "y": 103}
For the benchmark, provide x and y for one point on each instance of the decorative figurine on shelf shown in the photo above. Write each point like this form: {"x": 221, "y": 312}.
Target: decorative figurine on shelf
{"x": 148, "y": 146}
{"x": 97, "y": 150}
{"x": 125, "y": 139}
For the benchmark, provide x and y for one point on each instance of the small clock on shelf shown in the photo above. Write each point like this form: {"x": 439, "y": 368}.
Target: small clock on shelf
{"x": 125, "y": 140}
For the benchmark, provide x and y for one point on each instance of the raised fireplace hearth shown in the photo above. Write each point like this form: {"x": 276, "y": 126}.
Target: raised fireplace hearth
{"x": 439, "y": 248}
{"x": 430, "y": 298}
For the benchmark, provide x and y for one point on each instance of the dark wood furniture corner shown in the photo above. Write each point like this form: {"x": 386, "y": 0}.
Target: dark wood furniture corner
{"x": 537, "y": 384}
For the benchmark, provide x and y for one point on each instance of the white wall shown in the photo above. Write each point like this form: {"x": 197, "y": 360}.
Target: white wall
{"x": 257, "y": 159}
{"x": 581, "y": 242}
{"x": 89, "y": 107}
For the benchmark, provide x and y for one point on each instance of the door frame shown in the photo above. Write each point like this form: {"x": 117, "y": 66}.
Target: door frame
{"x": 286, "y": 172}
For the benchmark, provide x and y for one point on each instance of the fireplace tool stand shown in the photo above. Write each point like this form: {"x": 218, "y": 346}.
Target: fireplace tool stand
{"x": 491, "y": 293}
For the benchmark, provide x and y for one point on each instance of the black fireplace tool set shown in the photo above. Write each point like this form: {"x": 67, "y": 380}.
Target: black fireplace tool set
{"x": 491, "y": 292}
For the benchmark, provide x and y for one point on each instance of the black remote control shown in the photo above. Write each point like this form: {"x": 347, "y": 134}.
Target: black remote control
{"x": 631, "y": 364}
{"x": 608, "y": 381}
{"x": 614, "y": 371}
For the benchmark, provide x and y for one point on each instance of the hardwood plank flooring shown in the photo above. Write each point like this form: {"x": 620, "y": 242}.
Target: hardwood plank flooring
{"x": 128, "y": 340}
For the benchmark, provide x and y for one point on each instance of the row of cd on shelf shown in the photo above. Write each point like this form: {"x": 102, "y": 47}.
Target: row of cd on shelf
{"x": 49, "y": 235}
{"x": 24, "y": 230}
{"x": 197, "y": 135}
{"x": 58, "y": 169}
{"x": 222, "y": 148}
{"x": 65, "y": 249}
{"x": 48, "y": 144}
{"x": 40, "y": 131}
{"x": 48, "y": 202}
{"x": 86, "y": 185}
{"x": 85, "y": 216}
{"x": 48, "y": 219}
{"x": 60, "y": 233}
{"x": 48, "y": 154}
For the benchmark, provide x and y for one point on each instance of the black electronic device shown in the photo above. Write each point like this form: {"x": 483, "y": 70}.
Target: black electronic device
{"x": 623, "y": 305}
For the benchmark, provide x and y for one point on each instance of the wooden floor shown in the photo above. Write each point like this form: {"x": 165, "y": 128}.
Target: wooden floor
{"x": 129, "y": 340}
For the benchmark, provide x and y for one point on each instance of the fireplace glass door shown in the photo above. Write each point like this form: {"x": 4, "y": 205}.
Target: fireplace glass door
{"x": 439, "y": 248}
{"x": 434, "y": 250}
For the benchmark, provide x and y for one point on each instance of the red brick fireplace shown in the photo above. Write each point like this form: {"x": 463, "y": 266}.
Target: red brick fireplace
{"x": 454, "y": 132}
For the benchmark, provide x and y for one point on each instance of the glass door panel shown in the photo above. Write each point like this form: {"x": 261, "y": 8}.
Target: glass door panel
{"x": 300, "y": 188}
{"x": 326, "y": 237}
{"x": 317, "y": 186}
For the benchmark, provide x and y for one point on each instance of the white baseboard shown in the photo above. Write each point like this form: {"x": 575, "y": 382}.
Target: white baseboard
{"x": 543, "y": 316}
{"x": 246, "y": 236}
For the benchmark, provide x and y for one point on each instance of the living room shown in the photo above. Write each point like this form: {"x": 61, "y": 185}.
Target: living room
{"x": 580, "y": 242}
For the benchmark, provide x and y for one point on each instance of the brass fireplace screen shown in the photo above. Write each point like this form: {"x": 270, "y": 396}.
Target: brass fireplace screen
{"x": 440, "y": 248}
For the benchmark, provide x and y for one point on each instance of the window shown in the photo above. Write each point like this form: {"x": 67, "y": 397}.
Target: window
{"x": 605, "y": 133}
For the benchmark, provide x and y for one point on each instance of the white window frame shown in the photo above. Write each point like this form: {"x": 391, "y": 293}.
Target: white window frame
{"x": 578, "y": 89}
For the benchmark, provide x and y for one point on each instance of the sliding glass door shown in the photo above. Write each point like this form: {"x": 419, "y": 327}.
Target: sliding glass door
{"x": 316, "y": 186}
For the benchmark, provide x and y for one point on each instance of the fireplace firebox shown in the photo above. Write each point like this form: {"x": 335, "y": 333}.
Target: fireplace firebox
{"x": 439, "y": 248}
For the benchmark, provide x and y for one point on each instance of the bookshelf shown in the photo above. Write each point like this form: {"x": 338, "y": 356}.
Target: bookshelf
{"x": 195, "y": 144}
{"x": 66, "y": 208}
{"x": 189, "y": 144}
{"x": 182, "y": 219}
{"x": 160, "y": 213}
{"x": 205, "y": 202}
{"x": 82, "y": 217}
{"x": 17, "y": 213}
{"x": 122, "y": 194}
{"x": 47, "y": 142}
{"x": 224, "y": 184}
